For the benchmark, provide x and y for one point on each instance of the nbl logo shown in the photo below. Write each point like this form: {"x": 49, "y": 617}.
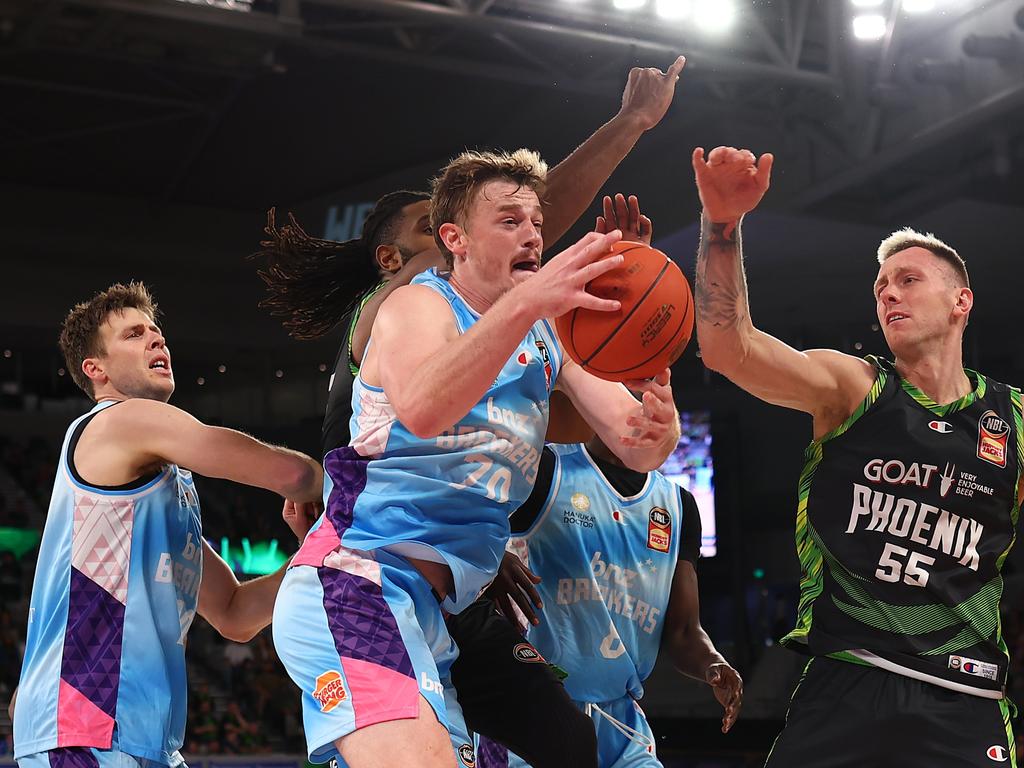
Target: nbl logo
{"x": 526, "y": 652}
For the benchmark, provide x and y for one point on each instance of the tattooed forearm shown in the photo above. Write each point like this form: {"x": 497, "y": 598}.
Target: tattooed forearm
{"x": 721, "y": 287}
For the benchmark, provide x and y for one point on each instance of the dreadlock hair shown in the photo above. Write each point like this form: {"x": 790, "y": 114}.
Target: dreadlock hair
{"x": 312, "y": 283}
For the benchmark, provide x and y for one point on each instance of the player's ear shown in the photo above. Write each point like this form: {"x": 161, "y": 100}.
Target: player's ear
{"x": 92, "y": 367}
{"x": 964, "y": 301}
{"x": 388, "y": 258}
{"x": 454, "y": 238}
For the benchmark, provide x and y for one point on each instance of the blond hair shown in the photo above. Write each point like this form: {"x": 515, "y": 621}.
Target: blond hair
{"x": 905, "y": 238}
{"x": 455, "y": 187}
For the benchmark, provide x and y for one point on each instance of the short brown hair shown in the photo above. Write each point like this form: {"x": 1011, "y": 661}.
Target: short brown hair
{"x": 905, "y": 238}
{"x": 454, "y": 187}
{"x": 80, "y": 332}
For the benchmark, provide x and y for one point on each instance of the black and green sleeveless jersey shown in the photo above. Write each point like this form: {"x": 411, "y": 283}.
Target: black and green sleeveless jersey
{"x": 335, "y": 429}
{"x": 906, "y": 514}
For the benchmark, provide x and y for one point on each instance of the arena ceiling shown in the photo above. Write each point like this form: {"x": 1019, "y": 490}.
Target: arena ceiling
{"x": 147, "y": 137}
{"x": 231, "y": 103}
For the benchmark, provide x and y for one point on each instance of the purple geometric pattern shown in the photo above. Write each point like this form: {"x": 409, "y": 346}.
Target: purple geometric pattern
{"x": 490, "y": 754}
{"x": 347, "y": 470}
{"x": 92, "y": 643}
{"x": 73, "y": 757}
{"x": 361, "y": 622}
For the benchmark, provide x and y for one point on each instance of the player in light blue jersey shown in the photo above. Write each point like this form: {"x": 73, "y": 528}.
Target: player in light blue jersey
{"x": 123, "y": 564}
{"x": 615, "y": 552}
{"x": 449, "y": 413}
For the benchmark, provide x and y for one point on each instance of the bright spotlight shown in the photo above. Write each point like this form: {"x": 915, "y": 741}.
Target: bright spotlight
{"x": 866, "y": 3}
{"x": 869, "y": 27}
{"x": 918, "y": 6}
{"x": 673, "y": 10}
{"x": 629, "y": 5}
{"x": 714, "y": 16}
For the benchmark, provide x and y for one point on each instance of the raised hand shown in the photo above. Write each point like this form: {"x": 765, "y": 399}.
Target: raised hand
{"x": 624, "y": 214}
{"x": 730, "y": 181}
{"x": 649, "y": 92}
{"x": 656, "y": 418}
{"x": 559, "y": 285}
{"x": 727, "y": 686}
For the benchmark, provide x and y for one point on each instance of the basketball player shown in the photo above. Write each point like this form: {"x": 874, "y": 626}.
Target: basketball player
{"x": 316, "y": 284}
{"x": 615, "y": 550}
{"x": 907, "y": 508}
{"x": 123, "y": 563}
{"x": 450, "y": 409}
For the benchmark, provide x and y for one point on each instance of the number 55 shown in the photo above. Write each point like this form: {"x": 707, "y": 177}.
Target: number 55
{"x": 890, "y": 569}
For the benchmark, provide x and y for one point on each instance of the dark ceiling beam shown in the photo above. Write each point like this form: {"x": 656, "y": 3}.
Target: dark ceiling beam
{"x": 962, "y": 123}
{"x": 100, "y": 93}
{"x": 703, "y": 60}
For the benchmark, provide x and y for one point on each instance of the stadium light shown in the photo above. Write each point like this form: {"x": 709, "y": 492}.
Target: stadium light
{"x": 918, "y": 6}
{"x": 629, "y": 5}
{"x": 672, "y": 10}
{"x": 714, "y": 16}
{"x": 869, "y": 27}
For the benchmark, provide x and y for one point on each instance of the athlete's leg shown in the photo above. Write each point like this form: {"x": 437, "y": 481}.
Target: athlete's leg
{"x": 509, "y": 695}
{"x": 365, "y": 641}
{"x": 421, "y": 741}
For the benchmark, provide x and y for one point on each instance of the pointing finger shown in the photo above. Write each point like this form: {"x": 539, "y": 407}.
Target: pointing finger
{"x": 676, "y": 68}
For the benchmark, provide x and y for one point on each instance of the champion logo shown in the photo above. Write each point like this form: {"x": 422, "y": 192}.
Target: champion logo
{"x": 941, "y": 426}
{"x": 998, "y": 754}
{"x": 618, "y": 517}
{"x": 524, "y": 358}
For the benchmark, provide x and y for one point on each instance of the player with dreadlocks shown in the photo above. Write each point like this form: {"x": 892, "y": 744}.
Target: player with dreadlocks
{"x": 315, "y": 284}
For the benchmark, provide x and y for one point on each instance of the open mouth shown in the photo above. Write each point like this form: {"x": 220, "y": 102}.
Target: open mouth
{"x": 526, "y": 265}
{"x": 893, "y": 317}
{"x": 160, "y": 364}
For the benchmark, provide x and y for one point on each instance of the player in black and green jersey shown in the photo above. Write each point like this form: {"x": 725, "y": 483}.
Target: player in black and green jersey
{"x": 908, "y": 502}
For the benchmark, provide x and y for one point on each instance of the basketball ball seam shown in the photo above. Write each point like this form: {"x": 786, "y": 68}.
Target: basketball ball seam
{"x": 636, "y": 305}
{"x": 575, "y": 314}
{"x": 689, "y": 298}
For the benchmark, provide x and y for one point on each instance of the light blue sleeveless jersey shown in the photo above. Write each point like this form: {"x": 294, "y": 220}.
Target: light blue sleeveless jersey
{"x": 445, "y": 499}
{"x": 606, "y": 564}
{"x": 115, "y": 590}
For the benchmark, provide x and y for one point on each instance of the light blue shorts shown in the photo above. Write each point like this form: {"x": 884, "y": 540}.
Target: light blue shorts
{"x": 363, "y": 637}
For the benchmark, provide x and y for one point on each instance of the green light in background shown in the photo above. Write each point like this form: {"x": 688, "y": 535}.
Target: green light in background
{"x": 759, "y": 573}
{"x": 256, "y": 559}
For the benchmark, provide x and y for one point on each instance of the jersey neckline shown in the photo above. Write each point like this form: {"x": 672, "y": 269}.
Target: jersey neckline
{"x": 979, "y": 386}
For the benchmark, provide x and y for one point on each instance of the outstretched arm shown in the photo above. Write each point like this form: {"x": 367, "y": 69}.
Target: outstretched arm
{"x": 693, "y": 654}
{"x": 824, "y": 383}
{"x": 573, "y": 183}
{"x": 239, "y": 610}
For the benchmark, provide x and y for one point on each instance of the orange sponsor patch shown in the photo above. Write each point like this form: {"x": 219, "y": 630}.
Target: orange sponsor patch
{"x": 329, "y": 691}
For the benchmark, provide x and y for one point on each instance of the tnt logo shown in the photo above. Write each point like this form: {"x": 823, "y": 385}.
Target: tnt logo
{"x": 330, "y": 690}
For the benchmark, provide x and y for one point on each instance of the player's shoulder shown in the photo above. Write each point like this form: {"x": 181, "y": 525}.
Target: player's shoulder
{"x": 133, "y": 415}
{"x": 416, "y": 297}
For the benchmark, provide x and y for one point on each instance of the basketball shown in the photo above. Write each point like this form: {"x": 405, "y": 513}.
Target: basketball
{"x": 649, "y": 331}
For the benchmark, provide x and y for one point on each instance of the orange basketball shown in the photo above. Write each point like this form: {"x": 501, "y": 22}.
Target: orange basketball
{"x": 649, "y": 331}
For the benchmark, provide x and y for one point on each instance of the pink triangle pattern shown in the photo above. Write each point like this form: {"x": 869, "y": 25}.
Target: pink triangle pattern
{"x": 318, "y": 545}
{"x": 101, "y": 542}
{"x": 80, "y": 723}
{"x": 356, "y": 562}
{"x": 379, "y": 694}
